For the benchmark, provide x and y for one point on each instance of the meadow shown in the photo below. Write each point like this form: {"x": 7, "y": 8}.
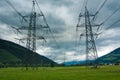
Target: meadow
{"x": 61, "y": 73}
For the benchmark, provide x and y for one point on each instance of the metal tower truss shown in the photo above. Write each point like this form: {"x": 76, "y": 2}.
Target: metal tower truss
{"x": 35, "y": 26}
{"x": 85, "y": 20}
{"x": 32, "y": 34}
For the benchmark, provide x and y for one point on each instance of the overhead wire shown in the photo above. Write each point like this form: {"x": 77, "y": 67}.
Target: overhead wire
{"x": 9, "y": 3}
{"x": 113, "y": 24}
{"x": 21, "y": 17}
{"x": 46, "y": 23}
{"x": 79, "y": 18}
{"x": 95, "y": 16}
{"x": 77, "y": 41}
{"x": 117, "y": 21}
{"x": 108, "y": 18}
{"x": 11, "y": 26}
{"x": 96, "y": 13}
{"x": 102, "y": 23}
{"x": 110, "y": 26}
{"x": 98, "y": 10}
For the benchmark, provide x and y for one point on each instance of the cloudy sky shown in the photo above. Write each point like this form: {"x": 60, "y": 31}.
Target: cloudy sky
{"x": 62, "y": 17}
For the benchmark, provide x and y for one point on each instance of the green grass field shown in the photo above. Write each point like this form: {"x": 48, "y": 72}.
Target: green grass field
{"x": 62, "y": 73}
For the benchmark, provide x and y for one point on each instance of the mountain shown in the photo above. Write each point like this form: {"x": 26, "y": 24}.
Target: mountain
{"x": 75, "y": 63}
{"x": 12, "y": 54}
{"x": 111, "y": 57}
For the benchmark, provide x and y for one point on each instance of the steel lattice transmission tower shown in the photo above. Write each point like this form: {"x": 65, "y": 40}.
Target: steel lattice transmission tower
{"x": 32, "y": 23}
{"x": 91, "y": 51}
{"x": 32, "y": 34}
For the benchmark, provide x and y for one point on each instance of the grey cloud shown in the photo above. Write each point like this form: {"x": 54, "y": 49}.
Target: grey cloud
{"x": 57, "y": 2}
{"x": 63, "y": 23}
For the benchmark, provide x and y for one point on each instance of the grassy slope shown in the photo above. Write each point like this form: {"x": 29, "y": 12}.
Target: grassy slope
{"x": 60, "y": 73}
{"x": 111, "y": 57}
{"x": 5, "y": 56}
{"x": 11, "y": 52}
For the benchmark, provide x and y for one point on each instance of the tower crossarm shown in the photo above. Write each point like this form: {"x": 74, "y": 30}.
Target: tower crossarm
{"x": 84, "y": 34}
{"x": 83, "y": 15}
{"x": 37, "y": 38}
{"x": 37, "y": 27}
{"x": 93, "y": 25}
{"x": 37, "y": 15}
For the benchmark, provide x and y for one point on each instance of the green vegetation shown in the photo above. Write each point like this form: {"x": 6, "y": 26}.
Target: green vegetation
{"x": 110, "y": 58}
{"x": 5, "y": 56}
{"x": 12, "y": 54}
{"x": 62, "y": 73}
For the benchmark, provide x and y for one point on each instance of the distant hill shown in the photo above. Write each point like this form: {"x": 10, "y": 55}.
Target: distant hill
{"x": 12, "y": 54}
{"x": 75, "y": 63}
{"x": 111, "y": 57}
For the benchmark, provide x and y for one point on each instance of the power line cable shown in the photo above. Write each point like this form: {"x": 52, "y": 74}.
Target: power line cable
{"x": 98, "y": 10}
{"x": 46, "y": 22}
{"x": 9, "y": 3}
{"x": 108, "y": 18}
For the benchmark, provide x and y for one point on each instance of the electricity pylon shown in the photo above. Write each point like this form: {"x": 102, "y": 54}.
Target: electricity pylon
{"x": 32, "y": 35}
{"x": 91, "y": 51}
{"x": 35, "y": 22}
